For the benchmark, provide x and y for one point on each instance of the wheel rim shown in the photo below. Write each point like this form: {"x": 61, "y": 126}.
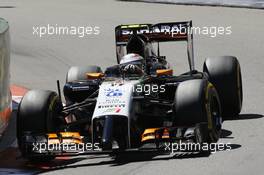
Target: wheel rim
{"x": 216, "y": 119}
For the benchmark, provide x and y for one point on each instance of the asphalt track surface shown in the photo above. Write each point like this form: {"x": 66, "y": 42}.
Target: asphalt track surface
{"x": 39, "y": 62}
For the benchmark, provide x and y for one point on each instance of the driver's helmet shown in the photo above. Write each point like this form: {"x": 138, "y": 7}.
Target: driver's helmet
{"x": 132, "y": 58}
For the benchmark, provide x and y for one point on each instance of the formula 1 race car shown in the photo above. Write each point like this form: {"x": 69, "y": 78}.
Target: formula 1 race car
{"x": 137, "y": 104}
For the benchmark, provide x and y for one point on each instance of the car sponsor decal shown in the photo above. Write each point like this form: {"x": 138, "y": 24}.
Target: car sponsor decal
{"x": 111, "y": 106}
{"x": 114, "y": 99}
{"x": 116, "y": 110}
{"x": 113, "y": 92}
{"x": 175, "y": 28}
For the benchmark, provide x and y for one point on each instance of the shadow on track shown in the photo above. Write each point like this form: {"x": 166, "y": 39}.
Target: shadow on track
{"x": 246, "y": 117}
{"x": 226, "y": 134}
{"x": 127, "y": 157}
{"x": 7, "y": 7}
{"x": 130, "y": 157}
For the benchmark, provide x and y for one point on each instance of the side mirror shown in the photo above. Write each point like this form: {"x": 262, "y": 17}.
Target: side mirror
{"x": 94, "y": 75}
{"x": 161, "y": 72}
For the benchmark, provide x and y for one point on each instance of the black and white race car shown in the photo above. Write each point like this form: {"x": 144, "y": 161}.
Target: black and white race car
{"x": 136, "y": 102}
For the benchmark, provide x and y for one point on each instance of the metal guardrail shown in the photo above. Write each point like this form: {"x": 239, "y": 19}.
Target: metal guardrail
{"x": 254, "y": 4}
{"x": 5, "y": 96}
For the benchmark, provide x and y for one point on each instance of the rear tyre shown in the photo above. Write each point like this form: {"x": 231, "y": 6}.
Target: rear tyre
{"x": 37, "y": 113}
{"x": 76, "y": 73}
{"x": 196, "y": 102}
{"x": 225, "y": 74}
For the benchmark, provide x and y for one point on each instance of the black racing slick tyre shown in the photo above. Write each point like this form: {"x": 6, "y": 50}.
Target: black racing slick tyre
{"x": 78, "y": 73}
{"x": 37, "y": 114}
{"x": 196, "y": 101}
{"x": 225, "y": 74}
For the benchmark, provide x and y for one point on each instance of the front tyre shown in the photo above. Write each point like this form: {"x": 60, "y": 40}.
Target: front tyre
{"x": 197, "y": 102}
{"x": 37, "y": 113}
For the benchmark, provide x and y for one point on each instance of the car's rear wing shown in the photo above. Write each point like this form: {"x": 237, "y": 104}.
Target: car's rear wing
{"x": 161, "y": 32}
